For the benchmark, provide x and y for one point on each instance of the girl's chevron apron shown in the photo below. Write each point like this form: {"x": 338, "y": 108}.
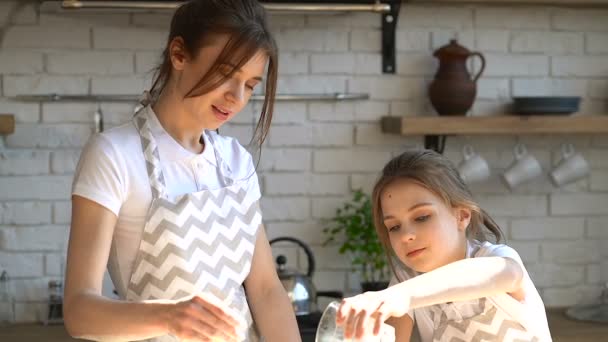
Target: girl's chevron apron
{"x": 197, "y": 242}
{"x": 482, "y": 321}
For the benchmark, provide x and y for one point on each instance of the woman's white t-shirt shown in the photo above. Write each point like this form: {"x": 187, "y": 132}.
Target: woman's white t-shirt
{"x": 112, "y": 172}
{"x": 530, "y": 312}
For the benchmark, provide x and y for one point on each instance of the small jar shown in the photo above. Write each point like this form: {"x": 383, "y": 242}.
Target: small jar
{"x": 55, "y": 312}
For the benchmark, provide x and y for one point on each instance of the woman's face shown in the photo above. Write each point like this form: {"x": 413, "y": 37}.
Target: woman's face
{"x": 424, "y": 233}
{"x": 221, "y": 104}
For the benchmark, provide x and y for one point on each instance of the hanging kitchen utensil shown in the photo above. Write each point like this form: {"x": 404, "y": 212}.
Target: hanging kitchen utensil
{"x": 7, "y": 312}
{"x": 55, "y": 305}
{"x": 98, "y": 119}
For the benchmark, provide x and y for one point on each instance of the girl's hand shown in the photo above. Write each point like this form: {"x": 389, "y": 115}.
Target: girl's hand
{"x": 364, "y": 314}
{"x": 204, "y": 318}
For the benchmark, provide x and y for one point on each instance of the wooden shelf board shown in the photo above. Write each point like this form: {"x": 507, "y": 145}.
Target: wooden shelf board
{"x": 7, "y": 124}
{"x": 504, "y": 124}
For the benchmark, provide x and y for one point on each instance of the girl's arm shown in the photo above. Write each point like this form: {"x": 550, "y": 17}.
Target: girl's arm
{"x": 462, "y": 280}
{"x": 271, "y": 308}
{"x": 89, "y": 315}
{"x": 458, "y": 281}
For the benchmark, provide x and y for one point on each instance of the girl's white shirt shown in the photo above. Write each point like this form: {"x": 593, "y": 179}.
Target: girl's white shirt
{"x": 530, "y": 312}
{"x": 112, "y": 172}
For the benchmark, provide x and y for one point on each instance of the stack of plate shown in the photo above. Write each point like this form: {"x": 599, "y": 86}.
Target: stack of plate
{"x": 546, "y": 105}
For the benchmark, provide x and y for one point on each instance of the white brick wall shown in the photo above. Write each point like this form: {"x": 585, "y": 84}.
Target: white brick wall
{"x": 547, "y": 228}
{"x": 348, "y": 160}
{"x": 319, "y": 40}
{"x": 24, "y": 14}
{"x": 45, "y": 84}
{"x": 587, "y": 66}
{"x": 512, "y": 18}
{"x": 597, "y": 43}
{"x": 317, "y": 152}
{"x": 549, "y": 87}
{"x": 492, "y": 40}
{"x": 112, "y": 85}
{"x": 563, "y": 43}
{"x": 580, "y": 20}
{"x": 24, "y": 162}
{"x": 37, "y": 238}
{"x": 130, "y": 38}
{"x": 98, "y": 63}
{"x": 49, "y": 135}
{"x": 516, "y": 65}
{"x": 24, "y": 112}
{"x": 38, "y": 37}
{"x": 20, "y": 62}
{"x": 436, "y": 17}
{"x": 25, "y": 213}
{"x": 61, "y": 112}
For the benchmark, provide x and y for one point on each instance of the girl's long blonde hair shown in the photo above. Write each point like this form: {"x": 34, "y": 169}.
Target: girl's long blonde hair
{"x": 437, "y": 174}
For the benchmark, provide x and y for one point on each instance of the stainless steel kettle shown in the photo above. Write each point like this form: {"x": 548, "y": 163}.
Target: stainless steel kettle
{"x": 299, "y": 286}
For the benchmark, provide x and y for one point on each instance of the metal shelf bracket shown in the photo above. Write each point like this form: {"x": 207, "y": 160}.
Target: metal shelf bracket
{"x": 389, "y": 39}
{"x": 435, "y": 142}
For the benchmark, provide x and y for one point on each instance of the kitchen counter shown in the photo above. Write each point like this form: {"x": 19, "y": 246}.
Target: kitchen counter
{"x": 562, "y": 329}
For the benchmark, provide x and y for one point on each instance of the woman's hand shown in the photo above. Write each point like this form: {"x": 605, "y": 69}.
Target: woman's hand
{"x": 364, "y": 314}
{"x": 204, "y": 318}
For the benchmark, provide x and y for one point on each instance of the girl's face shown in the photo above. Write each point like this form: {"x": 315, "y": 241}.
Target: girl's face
{"x": 424, "y": 233}
{"x": 221, "y": 104}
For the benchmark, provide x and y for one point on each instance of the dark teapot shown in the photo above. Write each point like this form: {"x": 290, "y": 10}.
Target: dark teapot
{"x": 299, "y": 286}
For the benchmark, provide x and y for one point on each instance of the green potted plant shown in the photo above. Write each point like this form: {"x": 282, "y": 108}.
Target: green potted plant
{"x": 353, "y": 227}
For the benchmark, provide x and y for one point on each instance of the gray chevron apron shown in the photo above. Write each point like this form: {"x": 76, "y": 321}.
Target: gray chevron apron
{"x": 197, "y": 242}
{"x": 476, "y": 321}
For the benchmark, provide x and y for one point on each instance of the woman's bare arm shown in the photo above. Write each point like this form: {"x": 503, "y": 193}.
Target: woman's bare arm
{"x": 87, "y": 313}
{"x": 267, "y": 298}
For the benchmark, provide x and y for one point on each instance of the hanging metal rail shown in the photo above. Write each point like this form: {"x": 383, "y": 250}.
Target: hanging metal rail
{"x": 389, "y": 10}
{"x": 377, "y": 7}
{"x": 136, "y": 98}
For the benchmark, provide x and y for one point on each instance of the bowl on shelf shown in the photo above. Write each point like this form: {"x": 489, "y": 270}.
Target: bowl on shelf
{"x": 546, "y": 105}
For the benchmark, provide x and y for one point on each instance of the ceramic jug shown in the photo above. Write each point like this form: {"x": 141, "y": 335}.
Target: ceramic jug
{"x": 453, "y": 92}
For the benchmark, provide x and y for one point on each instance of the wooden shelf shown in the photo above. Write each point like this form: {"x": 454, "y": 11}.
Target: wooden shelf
{"x": 563, "y": 3}
{"x": 7, "y": 124}
{"x": 504, "y": 124}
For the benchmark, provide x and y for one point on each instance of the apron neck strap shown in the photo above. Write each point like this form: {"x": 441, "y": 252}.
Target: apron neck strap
{"x": 152, "y": 156}
{"x": 223, "y": 170}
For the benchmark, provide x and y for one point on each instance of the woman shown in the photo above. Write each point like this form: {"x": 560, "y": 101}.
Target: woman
{"x": 172, "y": 207}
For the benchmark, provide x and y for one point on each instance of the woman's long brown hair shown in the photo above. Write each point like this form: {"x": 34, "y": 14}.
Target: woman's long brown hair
{"x": 198, "y": 22}
{"x": 437, "y": 174}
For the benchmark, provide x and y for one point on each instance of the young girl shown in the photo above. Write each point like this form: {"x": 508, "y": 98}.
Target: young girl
{"x": 172, "y": 208}
{"x": 448, "y": 280}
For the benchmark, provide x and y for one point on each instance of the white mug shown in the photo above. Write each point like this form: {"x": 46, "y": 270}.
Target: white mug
{"x": 571, "y": 167}
{"x": 525, "y": 167}
{"x": 473, "y": 167}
